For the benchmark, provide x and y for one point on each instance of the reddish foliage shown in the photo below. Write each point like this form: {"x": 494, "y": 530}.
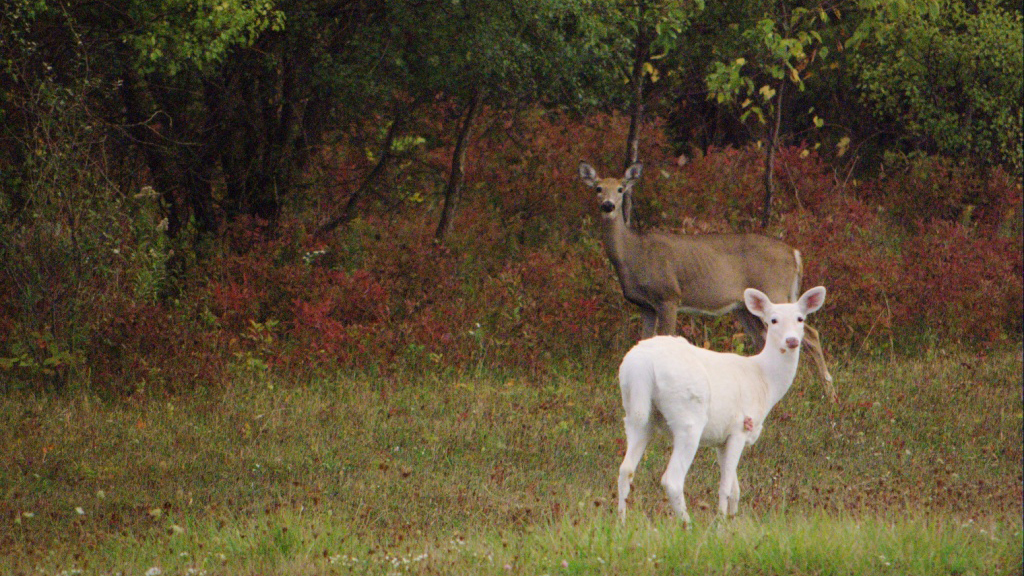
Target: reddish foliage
{"x": 524, "y": 280}
{"x": 842, "y": 252}
{"x": 958, "y": 284}
{"x": 235, "y": 303}
{"x": 804, "y": 180}
{"x": 923, "y": 190}
{"x": 143, "y": 347}
{"x": 338, "y": 320}
{"x": 723, "y": 186}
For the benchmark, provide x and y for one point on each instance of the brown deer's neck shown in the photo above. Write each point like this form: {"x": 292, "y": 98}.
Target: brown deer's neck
{"x": 618, "y": 239}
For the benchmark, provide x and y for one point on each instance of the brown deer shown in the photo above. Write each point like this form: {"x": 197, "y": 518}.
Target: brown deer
{"x": 706, "y": 273}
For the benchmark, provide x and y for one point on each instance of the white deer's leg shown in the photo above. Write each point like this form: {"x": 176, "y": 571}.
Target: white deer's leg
{"x": 685, "y": 441}
{"x": 812, "y": 341}
{"x": 729, "y": 485}
{"x": 638, "y": 433}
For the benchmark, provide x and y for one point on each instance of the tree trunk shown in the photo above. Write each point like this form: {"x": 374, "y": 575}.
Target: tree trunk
{"x": 137, "y": 105}
{"x": 769, "y": 160}
{"x": 641, "y": 53}
{"x": 453, "y": 189}
{"x": 635, "y": 117}
{"x": 386, "y": 154}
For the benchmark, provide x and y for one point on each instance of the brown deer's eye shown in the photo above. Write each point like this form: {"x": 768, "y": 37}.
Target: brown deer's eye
{"x": 598, "y": 188}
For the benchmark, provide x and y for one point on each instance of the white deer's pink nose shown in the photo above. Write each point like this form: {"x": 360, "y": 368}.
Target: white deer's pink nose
{"x": 792, "y": 342}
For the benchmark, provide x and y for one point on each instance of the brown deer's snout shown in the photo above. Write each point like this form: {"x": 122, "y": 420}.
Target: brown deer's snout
{"x": 607, "y": 206}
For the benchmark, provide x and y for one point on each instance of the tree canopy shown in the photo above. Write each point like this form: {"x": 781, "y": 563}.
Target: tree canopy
{"x": 220, "y": 102}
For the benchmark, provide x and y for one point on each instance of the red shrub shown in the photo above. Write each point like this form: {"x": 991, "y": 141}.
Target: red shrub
{"x": 946, "y": 281}
{"x": 531, "y": 178}
{"x": 959, "y": 285}
{"x": 523, "y": 282}
{"x": 919, "y": 190}
{"x": 236, "y": 302}
{"x": 804, "y": 180}
{"x": 319, "y": 337}
{"x": 150, "y": 347}
{"x": 724, "y": 187}
{"x": 843, "y": 250}
{"x": 338, "y": 318}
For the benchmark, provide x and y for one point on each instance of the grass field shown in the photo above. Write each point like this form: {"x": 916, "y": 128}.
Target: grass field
{"x": 916, "y": 471}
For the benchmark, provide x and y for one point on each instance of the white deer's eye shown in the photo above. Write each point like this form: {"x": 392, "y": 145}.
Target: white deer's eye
{"x": 775, "y": 320}
{"x": 800, "y": 319}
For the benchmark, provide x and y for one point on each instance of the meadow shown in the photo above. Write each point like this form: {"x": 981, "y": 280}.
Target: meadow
{"x": 271, "y": 401}
{"x": 917, "y": 470}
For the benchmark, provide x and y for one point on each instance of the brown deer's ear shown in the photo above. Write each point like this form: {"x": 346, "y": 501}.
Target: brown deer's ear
{"x": 633, "y": 172}
{"x": 588, "y": 174}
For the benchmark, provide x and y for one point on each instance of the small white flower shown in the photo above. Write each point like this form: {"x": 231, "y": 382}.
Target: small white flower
{"x": 154, "y": 571}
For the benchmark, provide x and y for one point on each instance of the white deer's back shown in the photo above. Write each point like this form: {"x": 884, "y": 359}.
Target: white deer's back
{"x": 691, "y": 386}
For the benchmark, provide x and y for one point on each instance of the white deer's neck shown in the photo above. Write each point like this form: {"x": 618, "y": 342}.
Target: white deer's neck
{"x": 778, "y": 366}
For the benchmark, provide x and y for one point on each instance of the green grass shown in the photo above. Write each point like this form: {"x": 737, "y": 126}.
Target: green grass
{"x": 917, "y": 471}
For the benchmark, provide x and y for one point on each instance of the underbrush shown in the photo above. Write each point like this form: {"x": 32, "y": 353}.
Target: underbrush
{"x": 918, "y": 467}
{"x": 522, "y": 285}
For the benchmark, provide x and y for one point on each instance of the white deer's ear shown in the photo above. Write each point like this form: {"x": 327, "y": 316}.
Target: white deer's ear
{"x": 812, "y": 299}
{"x": 588, "y": 174}
{"x": 757, "y": 302}
{"x": 634, "y": 171}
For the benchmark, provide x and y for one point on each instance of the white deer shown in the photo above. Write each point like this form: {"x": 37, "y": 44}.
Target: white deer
{"x": 706, "y": 398}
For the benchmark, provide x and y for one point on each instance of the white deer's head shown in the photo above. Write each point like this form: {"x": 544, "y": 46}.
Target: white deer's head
{"x": 785, "y": 322}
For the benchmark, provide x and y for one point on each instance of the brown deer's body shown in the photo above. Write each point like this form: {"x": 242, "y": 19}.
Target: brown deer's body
{"x": 707, "y": 273}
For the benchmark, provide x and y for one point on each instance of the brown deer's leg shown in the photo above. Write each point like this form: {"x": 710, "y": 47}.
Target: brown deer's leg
{"x": 650, "y": 318}
{"x": 812, "y": 341}
{"x": 753, "y": 326}
{"x": 667, "y": 319}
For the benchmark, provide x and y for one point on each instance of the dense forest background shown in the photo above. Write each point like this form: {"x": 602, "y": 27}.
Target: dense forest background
{"x": 196, "y": 189}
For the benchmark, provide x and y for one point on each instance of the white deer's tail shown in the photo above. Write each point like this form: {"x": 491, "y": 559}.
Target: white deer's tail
{"x": 636, "y": 380}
